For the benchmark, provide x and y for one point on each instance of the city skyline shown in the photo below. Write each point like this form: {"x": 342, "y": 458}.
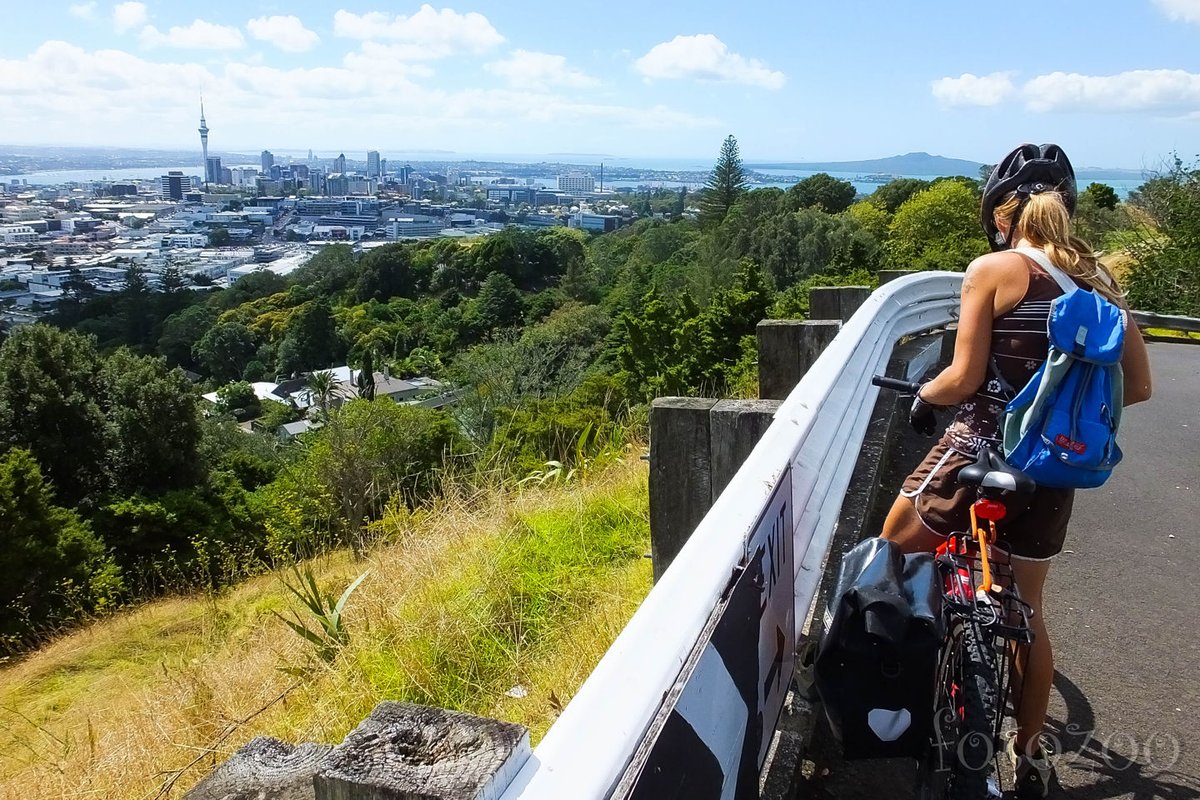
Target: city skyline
{"x": 793, "y": 83}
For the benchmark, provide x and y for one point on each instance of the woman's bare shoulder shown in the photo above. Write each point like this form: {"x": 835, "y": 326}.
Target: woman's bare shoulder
{"x": 997, "y": 268}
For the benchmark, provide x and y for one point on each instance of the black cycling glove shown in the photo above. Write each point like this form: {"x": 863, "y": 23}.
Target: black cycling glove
{"x": 921, "y": 416}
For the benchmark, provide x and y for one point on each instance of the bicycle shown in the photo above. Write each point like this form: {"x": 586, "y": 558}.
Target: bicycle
{"x": 986, "y": 623}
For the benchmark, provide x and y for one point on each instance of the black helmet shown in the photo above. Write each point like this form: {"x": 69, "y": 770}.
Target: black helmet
{"x": 1027, "y": 170}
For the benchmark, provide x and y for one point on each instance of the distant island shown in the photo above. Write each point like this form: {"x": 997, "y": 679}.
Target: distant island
{"x": 907, "y": 164}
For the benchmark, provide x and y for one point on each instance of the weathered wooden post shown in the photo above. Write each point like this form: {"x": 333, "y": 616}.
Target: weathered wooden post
{"x": 786, "y": 350}
{"x": 735, "y": 427}
{"x": 680, "y": 474}
{"x": 400, "y": 752}
{"x": 836, "y": 302}
{"x": 889, "y": 275}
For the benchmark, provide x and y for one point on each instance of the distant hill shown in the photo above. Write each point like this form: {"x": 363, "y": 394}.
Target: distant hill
{"x": 907, "y": 164}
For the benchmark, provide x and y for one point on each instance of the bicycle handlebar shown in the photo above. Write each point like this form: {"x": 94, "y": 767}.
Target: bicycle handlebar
{"x": 909, "y": 387}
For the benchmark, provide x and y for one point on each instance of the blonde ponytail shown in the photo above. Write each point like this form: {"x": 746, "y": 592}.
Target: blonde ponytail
{"x": 1045, "y": 222}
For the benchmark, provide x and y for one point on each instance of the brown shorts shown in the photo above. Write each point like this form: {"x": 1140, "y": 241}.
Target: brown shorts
{"x": 1035, "y": 526}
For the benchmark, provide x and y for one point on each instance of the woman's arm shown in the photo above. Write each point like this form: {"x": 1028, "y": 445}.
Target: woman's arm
{"x": 973, "y": 342}
{"x": 1135, "y": 363}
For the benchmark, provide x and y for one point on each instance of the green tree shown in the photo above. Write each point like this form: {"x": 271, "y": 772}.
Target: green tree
{"x": 891, "y": 195}
{"x": 498, "y": 306}
{"x": 50, "y": 404}
{"x": 225, "y": 350}
{"x": 822, "y": 191}
{"x": 154, "y": 424}
{"x": 219, "y": 237}
{"x": 49, "y": 557}
{"x": 324, "y": 390}
{"x": 311, "y": 340}
{"x": 370, "y": 453}
{"x": 680, "y": 203}
{"x": 1102, "y": 195}
{"x": 388, "y": 272}
{"x": 726, "y": 184}
{"x": 366, "y": 376}
{"x": 182, "y": 330}
{"x": 1164, "y": 276}
{"x": 937, "y": 228}
{"x": 238, "y": 400}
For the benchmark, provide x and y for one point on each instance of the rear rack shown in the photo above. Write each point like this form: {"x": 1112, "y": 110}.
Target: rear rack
{"x": 1007, "y": 615}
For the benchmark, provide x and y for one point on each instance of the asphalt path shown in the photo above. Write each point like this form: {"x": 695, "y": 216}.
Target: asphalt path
{"x": 1123, "y": 608}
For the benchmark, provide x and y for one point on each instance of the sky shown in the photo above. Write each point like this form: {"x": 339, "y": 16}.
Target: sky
{"x": 1115, "y": 82}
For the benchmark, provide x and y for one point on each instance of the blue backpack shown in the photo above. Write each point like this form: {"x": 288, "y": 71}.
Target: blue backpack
{"x": 1061, "y": 428}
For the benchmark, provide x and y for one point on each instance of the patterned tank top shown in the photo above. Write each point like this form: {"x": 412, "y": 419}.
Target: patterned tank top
{"x": 1019, "y": 347}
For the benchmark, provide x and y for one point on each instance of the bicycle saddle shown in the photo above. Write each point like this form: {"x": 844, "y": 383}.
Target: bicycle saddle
{"x": 991, "y": 471}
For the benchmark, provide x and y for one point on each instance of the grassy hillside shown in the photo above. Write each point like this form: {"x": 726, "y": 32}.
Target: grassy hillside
{"x": 468, "y": 600}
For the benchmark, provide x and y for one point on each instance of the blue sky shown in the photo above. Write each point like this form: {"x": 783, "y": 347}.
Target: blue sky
{"x": 1116, "y": 83}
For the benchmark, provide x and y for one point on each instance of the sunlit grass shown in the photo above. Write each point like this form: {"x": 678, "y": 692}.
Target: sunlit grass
{"x": 487, "y": 593}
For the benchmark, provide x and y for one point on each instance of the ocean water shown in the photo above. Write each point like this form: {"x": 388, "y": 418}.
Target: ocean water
{"x": 59, "y": 176}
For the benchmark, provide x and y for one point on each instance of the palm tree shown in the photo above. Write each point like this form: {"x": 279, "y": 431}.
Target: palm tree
{"x": 323, "y": 389}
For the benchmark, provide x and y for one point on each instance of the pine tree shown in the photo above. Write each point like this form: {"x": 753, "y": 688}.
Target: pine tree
{"x": 726, "y": 184}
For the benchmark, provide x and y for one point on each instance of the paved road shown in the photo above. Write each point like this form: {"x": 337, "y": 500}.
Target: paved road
{"x": 1123, "y": 606}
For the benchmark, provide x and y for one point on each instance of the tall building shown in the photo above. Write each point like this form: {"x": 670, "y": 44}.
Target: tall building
{"x": 268, "y": 161}
{"x": 576, "y": 182}
{"x": 212, "y": 170}
{"x": 204, "y": 147}
{"x": 173, "y": 185}
{"x": 339, "y": 163}
{"x": 404, "y": 173}
{"x": 373, "y": 164}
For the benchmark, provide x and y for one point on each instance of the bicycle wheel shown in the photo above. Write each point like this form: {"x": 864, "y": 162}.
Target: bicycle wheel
{"x": 962, "y": 757}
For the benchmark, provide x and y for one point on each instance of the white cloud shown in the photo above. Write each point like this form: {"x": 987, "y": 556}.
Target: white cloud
{"x": 429, "y": 33}
{"x": 286, "y": 33}
{"x": 127, "y": 16}
{"x": 251, "y": 106}
{"x": 200, "y": 35}
{"x": 974, "y": 90}
{"x": 525, "y": 68}
{"x": 1171, "y": 91}
{"x": 1186, "y": 10}
{"x": 83, "y": 10}
{"x": 705, "y": 57}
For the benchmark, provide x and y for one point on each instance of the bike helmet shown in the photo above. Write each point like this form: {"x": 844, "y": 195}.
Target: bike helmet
{"x": 1027, "y": 170}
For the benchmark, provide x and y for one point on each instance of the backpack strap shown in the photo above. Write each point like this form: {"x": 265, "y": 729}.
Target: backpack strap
{"x": 1043, "y": 261}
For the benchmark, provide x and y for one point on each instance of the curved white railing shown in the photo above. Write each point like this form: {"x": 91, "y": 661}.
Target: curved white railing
{"x": 817, "y": 431}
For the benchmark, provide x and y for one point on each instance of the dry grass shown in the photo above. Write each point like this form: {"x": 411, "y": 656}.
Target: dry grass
{"x": 466, "y": 601}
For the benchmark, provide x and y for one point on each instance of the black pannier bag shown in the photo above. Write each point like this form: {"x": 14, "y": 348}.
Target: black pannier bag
{"x": 877, "y": 662}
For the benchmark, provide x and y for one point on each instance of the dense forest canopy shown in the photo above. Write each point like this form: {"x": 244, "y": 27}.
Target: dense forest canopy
{"x": 118, "y": 482}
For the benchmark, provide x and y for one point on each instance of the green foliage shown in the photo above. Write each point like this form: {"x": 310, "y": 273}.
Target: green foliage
{"x": 331, "y": 634}
{"x": 1164, "y": 276}
{"x": 895, "y": 193}
{"x": 824, "y": 192}
{"x": 219, "y": 237}
{"x": 54, "y": 566}
{"x": 1100, "y": 195}
{"x": 311, "y": 340}
{"x": 153, "y": 422}
{"x": 225, "y": 350}
{"x": 937, "y": 228}
{"x": 726, "y": 184}
{"x": 239, "y": 401}
{"x": 51, "y": 392}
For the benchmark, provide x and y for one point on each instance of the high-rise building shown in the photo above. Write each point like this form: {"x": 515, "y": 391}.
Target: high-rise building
{"x": 339, "y": 163}
{"x": 404, "y": 173}
{"x": 204, "y": 146}
{"x": 373, "y": 164}
{"x": 268, "y": 161}
{"x": 212, "y": 169}
{"x": 173, "y": 185}
{"x": 576, "y": 182}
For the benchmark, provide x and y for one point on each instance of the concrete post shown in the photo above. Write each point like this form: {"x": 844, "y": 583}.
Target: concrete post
{"x": 735, "y": 426}
{"x": 680, "y": 474}
{"x": 836, "y": 302}
{"x": 786, "y": 350}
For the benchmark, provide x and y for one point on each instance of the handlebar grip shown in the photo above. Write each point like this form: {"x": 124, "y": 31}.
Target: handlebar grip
{"x": 909, "y": 387}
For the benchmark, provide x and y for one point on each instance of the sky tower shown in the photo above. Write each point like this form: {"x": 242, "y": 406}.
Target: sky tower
{"x": 204, "y": 141}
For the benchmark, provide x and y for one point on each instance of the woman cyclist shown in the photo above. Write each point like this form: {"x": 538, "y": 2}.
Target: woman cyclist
{"x": 1006, "y": 296}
